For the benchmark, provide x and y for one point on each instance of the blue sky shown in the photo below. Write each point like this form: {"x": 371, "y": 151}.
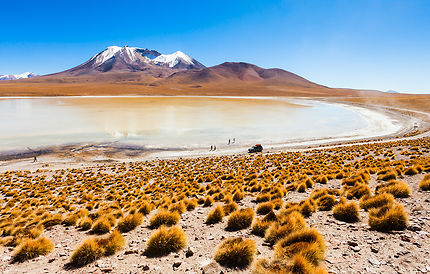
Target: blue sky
{"x": 368, "y": 44}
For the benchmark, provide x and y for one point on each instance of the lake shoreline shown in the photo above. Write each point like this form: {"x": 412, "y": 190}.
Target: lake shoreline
{"x": 89, "y": 154}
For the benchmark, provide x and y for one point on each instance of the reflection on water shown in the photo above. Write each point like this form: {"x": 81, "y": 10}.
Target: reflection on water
{"x": 168, "y": 121}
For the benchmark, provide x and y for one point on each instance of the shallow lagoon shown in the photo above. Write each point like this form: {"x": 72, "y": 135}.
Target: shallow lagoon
{"x": 179, "y": 122}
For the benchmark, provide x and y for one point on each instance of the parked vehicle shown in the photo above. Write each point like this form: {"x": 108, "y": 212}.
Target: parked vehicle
{"x": 256, "y": 148}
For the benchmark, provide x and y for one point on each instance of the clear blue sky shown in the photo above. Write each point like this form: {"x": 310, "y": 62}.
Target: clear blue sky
{"x": 368, "y": 44}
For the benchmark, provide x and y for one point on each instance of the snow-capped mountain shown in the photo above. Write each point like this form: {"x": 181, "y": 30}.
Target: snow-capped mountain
{"x": 24, "y": 75}
{"x": 131, "y": 59}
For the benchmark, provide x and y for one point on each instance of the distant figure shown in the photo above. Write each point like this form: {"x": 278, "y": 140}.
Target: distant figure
{"x": 35, "y": 159}
{"x": 228, "y": 141}
{"x": 211, "y": 148}
{"x": 234, "y": 140}
{"x": 214, "y": 148}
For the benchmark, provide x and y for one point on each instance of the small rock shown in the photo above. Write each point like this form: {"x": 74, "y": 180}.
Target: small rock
{"x": 355, "y": 248}
{"x": 51, "y": 260}
{"x": 58, "y": 245}
{"x": 189, "y": 253}
{"x": 374, "y": 250}
{"x": 177, "y": 264}
{"x": 106, "y": 270}
{"x": 144, "y": 267}
{"x": 374, "y": 261}
{"x": 128, "y": 252}
{"x": 351, "y": 243}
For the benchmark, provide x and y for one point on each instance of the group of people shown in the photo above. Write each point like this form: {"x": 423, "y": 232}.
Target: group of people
{"x": 230, "y": 141}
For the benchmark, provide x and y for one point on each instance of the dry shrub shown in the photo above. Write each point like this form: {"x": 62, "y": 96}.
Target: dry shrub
{"x": 387, "y": 218}
{"x": 260, "y": 226}
{"x": 71, "y": 219}
{"x": 236, "y": 252}
{"x": 145, "y": 208}
{"x": 264, "y": 208}
{"x": 85, "y": 223}
{"x": 32, "y": 248}
{"x": 229, "y": 208}
{"x": 322, "y": 180}
{"x": 112, "y": 243}
{"x": 391, "y": 175}
{"x": 164, "y": 218}
{"x": 165, "y": 240}
{"x": 287, "y": 224}
{"x": 240, "y": 219}
{"x": 307, "y": 242}
{"x": 88, "y": 252}
{"x": 326, "y": 202}
{"x": 101, "y": 226}
{"x": 130, "y": 222}
{"x": 301, "y": 188}
{"x": 191, "y": 204}
{"x": 357, "y": 191}
{"x": 411, "y": 171}
{"x": 53, "y": 220}
{"x": 379, "y": 200}
{"x": 208, "y": 201}
{"x": 347, "y": 212}
{"x": 307, "y": 207}
{"x": 396, "y": 188}
{"x": 178, "y": 207}
{"x": 263, "y": 197}
{"x": 238, "y": 196}
{"x": 425, "y": 183}
{"x": 215, "y": 215}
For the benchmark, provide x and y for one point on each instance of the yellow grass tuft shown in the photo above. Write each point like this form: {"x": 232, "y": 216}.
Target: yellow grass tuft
{"x": 397, "y": 188}
{"x": 387, "y": 218}
{"x": 236, "y": 252}
{"x": 130, "y": 222}
{"x": 240, "y": 219}
{"x": 425, "y": 183}
{"x": 32, "y": 248}
{"x": 215, "y": 215}
{"x": 164, "y": 218}
{"x": 264, "y": 208}
{"x": 165, "y": 240}
{"x": 379, "y": 200}
{"x": 307, "y": 242}
{"x": 347, "y": 212}
{"x": 101, "y": 226}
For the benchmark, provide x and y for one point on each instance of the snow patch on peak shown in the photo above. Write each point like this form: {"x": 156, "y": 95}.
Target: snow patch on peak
{"x": 173, "y": 59}
{"x": 24, "y": 75}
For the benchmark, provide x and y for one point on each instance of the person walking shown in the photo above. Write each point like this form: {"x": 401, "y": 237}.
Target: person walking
{"x": 35, "y": 159}
{"x": 229, "y": 141}
{"x": 211, "y": 148}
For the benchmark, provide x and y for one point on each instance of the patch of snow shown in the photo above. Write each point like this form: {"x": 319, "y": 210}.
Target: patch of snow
{"x": 173, "y": 59}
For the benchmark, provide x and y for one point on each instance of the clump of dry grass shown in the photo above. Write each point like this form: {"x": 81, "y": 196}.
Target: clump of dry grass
{"x": 88, "y": 252}
{"x": 307, "y": 242}
{"x": 347, "y": 212}
{"x": 425, "y": 183}
{"x": 264, "y": 208}
{"x": 260, "y": 226}
{"x": 130, "y": 222}
{"x": 287, "y": 224}
{"x": 240, "y": 219}
{"x": 164, "y": 218}
{"x": 208, "y": 201}
{"x": 215, "y": 215}
{"x": 145, "y": 208}
{"x": 390, "y": 175}
{"x": 387, "y": 218}
{"x": 411, "y": 171}
{"x": 229, "y": 208}
{"x": 396, "y": 188}
{"x": 85, "y": 223}
{"x": 326, "y": 202}
{"x": 379, "y": 200}
{"x": 236, "y": 252}
{"x": 32, "y": 248}
{"x": 71, "y": 219}
{"x": 165, "y": 240}
{"x": 101, "y": 226}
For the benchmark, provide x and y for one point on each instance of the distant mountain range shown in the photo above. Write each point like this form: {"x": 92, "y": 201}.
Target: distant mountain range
{"x": 131, "y": 59}
{"x": 132, "y": 70}
{"x": 24, "y": 75}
